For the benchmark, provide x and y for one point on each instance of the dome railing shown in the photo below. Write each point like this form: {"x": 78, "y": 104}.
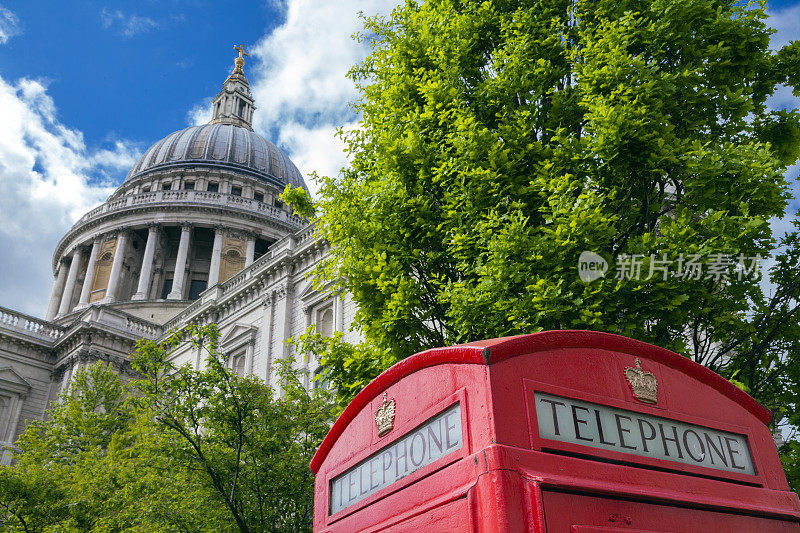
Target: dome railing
{"x": 178, "y": 198}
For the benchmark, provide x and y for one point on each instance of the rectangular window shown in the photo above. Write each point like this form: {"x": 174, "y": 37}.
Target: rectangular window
{"x": 236, "y": 191}
{"x": 167, "y": 289}
{"x": 189, "y": 185}
{"x": 258, "y": 197}
{"x": 196, "y": 287}
{"x": 278, "y": 204}
{"x": 261, "y": 248}
{"x": 320, "y": 379}
{"x": 145, "y": 189}
{"x": 166, "y": 186}
{"x": 212, "y": 187}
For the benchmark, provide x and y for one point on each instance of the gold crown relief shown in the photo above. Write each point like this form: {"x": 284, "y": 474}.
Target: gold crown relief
{"x": 644, "y": 384}
{"x": 384, "y": 417}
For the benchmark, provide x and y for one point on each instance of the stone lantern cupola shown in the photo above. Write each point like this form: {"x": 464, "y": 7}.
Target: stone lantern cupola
{"x": 234, "y": 103}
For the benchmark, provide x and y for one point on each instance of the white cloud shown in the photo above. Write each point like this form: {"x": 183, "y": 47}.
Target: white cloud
{"x": 299, "y": 80}
{"x": 49, "y": 179}
{"x": 787, "y": 23}
{"x": 126, "y": 25}
{"x": 200, "y": 114}
{"x": 9, "y": 25}
{"x": 314, "y": 149}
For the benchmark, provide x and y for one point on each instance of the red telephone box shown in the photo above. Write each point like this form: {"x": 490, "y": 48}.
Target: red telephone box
{"x": 561, "y": 431}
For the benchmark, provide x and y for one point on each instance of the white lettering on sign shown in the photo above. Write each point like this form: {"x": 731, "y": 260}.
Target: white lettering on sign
{"x": 608, "y": 428}
{"x": 439, "y": 436}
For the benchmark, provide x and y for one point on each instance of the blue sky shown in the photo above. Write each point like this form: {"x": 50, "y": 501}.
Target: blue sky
{"x": 130, "y": 70}
{"x": 86, "y": 86}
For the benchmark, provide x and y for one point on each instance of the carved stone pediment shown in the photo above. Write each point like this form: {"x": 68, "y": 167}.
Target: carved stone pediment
{"x": 238, "y": 335}
{"x": 11, "y": 381}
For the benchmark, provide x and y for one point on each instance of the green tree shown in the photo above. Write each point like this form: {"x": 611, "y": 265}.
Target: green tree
{"x": 31, "y": 501}
{"x": 500, "y": 139}
{"x": 248, "y": 447}
{"x": 99, "y": 464}
{"x": 177, "y": 450}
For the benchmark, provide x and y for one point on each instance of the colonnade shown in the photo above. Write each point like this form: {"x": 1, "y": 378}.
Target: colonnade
{"x": 69, "y": 265}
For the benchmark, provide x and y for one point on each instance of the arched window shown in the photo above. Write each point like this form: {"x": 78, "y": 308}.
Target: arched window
{"x": 325, "y": 322}
{"x": 238, "y": 363}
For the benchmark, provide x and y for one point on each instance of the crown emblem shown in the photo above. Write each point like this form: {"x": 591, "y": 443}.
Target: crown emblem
{"x": 644, "y": 384}
{"x": 384, "y": 417}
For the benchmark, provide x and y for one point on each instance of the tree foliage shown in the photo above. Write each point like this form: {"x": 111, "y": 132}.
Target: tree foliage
{"x": 251, "y": 449}
{"x": 500, "y": 139}
{"x": 179, "y": 449}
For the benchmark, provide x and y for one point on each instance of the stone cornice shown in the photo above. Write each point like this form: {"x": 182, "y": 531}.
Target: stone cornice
{"x": 106, "y": 320}
{"x": 194, "y": 172}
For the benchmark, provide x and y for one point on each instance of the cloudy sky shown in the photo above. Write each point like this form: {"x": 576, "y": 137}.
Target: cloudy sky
{"x": 86, "y": 86}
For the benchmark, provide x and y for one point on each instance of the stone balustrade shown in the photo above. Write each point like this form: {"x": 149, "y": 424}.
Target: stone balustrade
{"x": 180, "y": 318}
{"x": 28, "y": 325}
{"x": 178, "y": 198}
{"x": 142, "y": 327}
{"x": 306, "y": 235}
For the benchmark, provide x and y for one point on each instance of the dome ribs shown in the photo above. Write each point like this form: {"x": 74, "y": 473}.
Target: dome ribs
{"x": 224, "y": 145}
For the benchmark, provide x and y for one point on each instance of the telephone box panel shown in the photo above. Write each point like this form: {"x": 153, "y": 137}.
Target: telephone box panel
{"x": 567, "y": 431}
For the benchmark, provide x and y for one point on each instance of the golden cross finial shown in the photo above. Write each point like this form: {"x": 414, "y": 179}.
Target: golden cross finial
{"x": 239, "y": 61}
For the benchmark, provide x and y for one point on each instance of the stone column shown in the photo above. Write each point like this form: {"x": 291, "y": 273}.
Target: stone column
{"x": 338, "y": 312}
{"x": 66, "y": 299}
{"x": 116, "y": 267}
{"x": 14, "y": 422}
{"x": 251, "y": 251}
{"x": 147, "y": 263}
{"x": 86, "y": 290}
{"x": 281, "y": 325}
{"x": 58, "y": 290}
{"x": 180, "y": 264}
{"x": 266, "y": 337}
{"x": 216, "y": 257}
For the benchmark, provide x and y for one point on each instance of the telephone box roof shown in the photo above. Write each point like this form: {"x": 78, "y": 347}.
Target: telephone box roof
{"x": 492, "y": 351}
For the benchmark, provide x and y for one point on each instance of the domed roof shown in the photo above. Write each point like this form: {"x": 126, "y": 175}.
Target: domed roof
{"x": 221, "y": 145}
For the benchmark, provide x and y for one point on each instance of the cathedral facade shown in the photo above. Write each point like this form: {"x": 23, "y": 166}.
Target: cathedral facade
{"x": 195, "y": 234}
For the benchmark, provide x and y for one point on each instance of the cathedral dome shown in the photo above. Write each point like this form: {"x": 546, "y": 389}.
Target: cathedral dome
{"x": 199, "y": 206}
{"x": 223, "y": 146}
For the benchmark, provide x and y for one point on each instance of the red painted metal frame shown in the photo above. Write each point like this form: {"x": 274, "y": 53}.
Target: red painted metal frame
{"x": 539, "y": 443}
{"x": 496, "y": 350}
{"x": 398, "y": 432}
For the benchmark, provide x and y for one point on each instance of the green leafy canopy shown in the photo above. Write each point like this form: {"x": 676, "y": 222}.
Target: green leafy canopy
{"x": 500, "y": 139}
